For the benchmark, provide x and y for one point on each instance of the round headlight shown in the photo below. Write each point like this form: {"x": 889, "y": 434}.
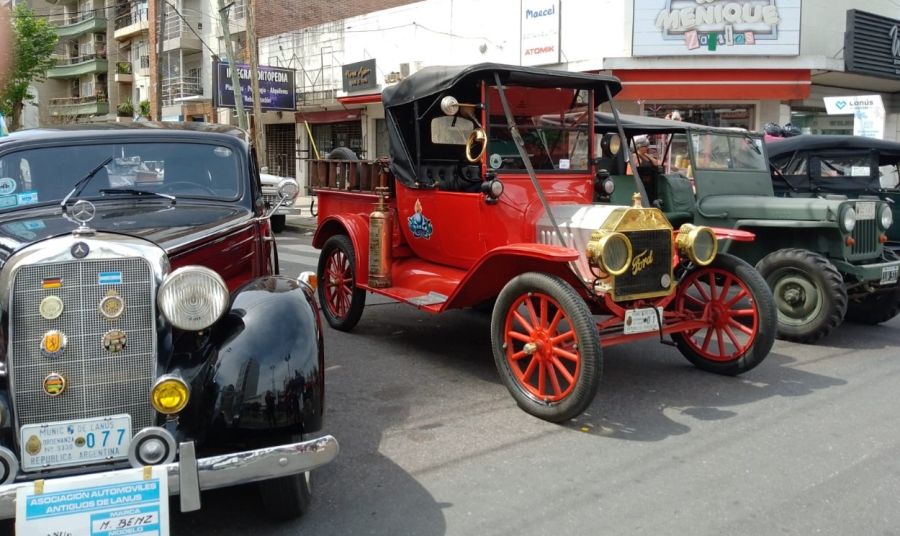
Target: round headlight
{"x": 609, "y": 186}
{"x": 611, "y": 144}
{"x": 698, "y": 243}
{"x": 887, "y": 217}
{"x": 848, "y": 220}
{"x": 193, "y": 298}
{"x": 169, "y": 394}
{"x": 615, "y": 253}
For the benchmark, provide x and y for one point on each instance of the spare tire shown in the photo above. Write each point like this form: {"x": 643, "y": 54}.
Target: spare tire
{"x": 342, "y": 153}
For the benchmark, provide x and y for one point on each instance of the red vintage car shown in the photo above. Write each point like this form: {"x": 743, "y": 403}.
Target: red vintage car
{"x": 489, "y": 197}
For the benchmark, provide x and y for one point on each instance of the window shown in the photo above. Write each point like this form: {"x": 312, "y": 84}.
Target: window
{"x": 723, "y": 151}
{"x": 553, "y": 123}
{"x": 450, "y": 130}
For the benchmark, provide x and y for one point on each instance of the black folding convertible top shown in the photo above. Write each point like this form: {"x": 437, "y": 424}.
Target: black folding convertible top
{"x": 434, "y": 80}
{"x": 888, "y": 151}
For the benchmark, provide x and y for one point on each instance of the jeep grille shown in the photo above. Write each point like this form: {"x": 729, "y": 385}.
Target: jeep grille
{"x": 647, "y": 281}
{"x": 866, "y": 236}
{"x": 98, "y": 383}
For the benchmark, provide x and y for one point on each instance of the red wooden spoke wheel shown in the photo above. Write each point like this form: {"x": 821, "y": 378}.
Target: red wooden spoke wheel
{"x": 341, "y": 300}
{"x": 546, "y": 346}
{"x": 733, "y": 300}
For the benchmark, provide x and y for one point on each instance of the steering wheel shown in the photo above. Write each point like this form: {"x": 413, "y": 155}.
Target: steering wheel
{"x": 476, "y": 136}
{"x": 168, "y": 187}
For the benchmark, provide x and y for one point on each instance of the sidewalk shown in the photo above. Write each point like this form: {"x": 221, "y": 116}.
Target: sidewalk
{"x": 304, "y": 221}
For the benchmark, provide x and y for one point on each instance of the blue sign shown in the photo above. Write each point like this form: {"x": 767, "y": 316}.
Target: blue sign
{"x": 277, "y": 90}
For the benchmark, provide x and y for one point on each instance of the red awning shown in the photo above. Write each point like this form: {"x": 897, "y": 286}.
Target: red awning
{"x": 360, "y": 99}
{"x": 714, "y": 84}
{"x": 330, "y": 116}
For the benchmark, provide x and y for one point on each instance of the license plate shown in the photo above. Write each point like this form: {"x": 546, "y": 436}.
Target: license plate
{"x": 889, "y": 274}
{"x": 865, "y": 210}
{"x": 68, "y": 443}
{"x": 642, "y": 320}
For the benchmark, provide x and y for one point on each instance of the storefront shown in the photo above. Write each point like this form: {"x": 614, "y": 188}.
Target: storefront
{"x": 677, "y": 45}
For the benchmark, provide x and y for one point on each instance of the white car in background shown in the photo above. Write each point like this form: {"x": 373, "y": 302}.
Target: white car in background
{"x": 270, "y": 194}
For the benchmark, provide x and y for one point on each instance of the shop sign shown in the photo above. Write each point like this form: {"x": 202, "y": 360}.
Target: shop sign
{"x": 277, "y": 90}
{"x": 716, "y": 27}
{"x": 868, "y": 113}
{"x": 539, "y": 36}
{"x": 872, "y": 45}
{"x": 359, "y": 75}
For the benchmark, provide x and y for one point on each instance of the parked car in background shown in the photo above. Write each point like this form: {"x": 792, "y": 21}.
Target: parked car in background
{"x": 285, "y": 207}
{"x": 852, "y": 167}
{"x": 141, "y": 311}
{"x": 481, "y": 202}
{"x": 818, "y": 253}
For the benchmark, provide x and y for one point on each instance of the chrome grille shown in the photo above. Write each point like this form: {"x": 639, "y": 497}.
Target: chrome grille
{"x": 647, "y": 281}
{"x": 866, "y": 236}
{"x": 98, "y": 383}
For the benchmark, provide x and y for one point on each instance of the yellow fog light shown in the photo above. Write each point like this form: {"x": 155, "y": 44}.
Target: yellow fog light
{"x": 698, "y": 243}
{"x": 610, "y": 251}
{"x": 169, "y": 394}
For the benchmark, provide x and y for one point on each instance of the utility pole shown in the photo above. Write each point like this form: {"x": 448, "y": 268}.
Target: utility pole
{"x": 259, "y": 135}
{"x": 235, "y": 81}
{"x": 160, "y": 39}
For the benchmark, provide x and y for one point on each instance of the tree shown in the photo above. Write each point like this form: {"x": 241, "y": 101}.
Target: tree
{"x": 34, "y": 41}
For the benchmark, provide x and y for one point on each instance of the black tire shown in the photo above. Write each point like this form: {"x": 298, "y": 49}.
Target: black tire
{"x": 572, "y": 397}
{"x": 809, "y": 294}
{"x": 340, "y": 316}
{"x": 342, "y": 153}
{"x": 874, "y": 308}
{"x": 279, "y": 222}
{"x": 288, "y": 497}
{"x": 756, "y": 346}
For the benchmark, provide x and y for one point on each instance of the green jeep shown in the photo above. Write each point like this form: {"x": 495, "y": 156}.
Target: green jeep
{"x": 818, "y": 253}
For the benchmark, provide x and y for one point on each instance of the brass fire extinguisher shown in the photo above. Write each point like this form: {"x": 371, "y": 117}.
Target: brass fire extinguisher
{"x": 380, "y": 226}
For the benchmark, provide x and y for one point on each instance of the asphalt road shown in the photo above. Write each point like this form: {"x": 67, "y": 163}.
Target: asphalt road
{"x": 432, "y": 443}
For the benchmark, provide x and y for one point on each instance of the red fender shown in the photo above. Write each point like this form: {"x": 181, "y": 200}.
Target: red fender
{"x": 733, "y": 234}
{"x": 498, "y": 266}
{"x": 356, "y": 226}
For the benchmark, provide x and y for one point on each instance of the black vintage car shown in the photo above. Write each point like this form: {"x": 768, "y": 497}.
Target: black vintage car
{"x": 139, "y": 296}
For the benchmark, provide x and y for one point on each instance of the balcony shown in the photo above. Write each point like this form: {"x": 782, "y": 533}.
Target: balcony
{"x": 130, "y": 25}
{"x": 176, "y": 89}
{"x": 74, "y": 67}
{"x": 237, "y": 17}
{"x": 62, "y": 2}
{"x": 72, "y": 27}
{"x": 72, "y": 107}
{"x": 178, "y": 34}
{"x": 124, "y": 73}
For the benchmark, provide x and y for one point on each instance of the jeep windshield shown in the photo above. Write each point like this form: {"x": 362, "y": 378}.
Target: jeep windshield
{"x": 183, "y": 170}
{"x": 725, "y": 151}
{"x": 553, "y": 123}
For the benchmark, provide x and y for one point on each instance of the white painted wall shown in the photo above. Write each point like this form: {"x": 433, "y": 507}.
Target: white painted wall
{"x": 444, "y": 32}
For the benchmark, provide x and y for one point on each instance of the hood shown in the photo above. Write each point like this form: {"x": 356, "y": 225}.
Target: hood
{"x": 169, "y": 227}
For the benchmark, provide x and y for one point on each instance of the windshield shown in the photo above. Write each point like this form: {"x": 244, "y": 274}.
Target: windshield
{"x": 554, "y": 126}
{"x": 47, "y": 174}
{"x": 725, "y": 151}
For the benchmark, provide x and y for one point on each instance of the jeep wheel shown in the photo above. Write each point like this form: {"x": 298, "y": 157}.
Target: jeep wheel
{"x": 341, "y": 300}
{"x": 546, "y": 346}
{"x": 279, "y": 222}
{"x": 875, "y": 308}
{"x": 733, "y": 299}
{"x": 809, "y": 293}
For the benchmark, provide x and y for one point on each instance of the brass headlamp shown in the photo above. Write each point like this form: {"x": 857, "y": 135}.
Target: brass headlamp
{"x": 610, "y": 251}
{"x": 698, "y": 243}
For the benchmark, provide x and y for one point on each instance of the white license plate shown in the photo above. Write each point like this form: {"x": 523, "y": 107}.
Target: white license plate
{"x": 642, "y": 320}
{"x": 865, "y": 210}
{"x": 889, "y": 274}
{"x": 63, "y": 444}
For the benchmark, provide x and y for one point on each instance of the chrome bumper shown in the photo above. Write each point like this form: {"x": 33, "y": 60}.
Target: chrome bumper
{"x": 188, "y": 476}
